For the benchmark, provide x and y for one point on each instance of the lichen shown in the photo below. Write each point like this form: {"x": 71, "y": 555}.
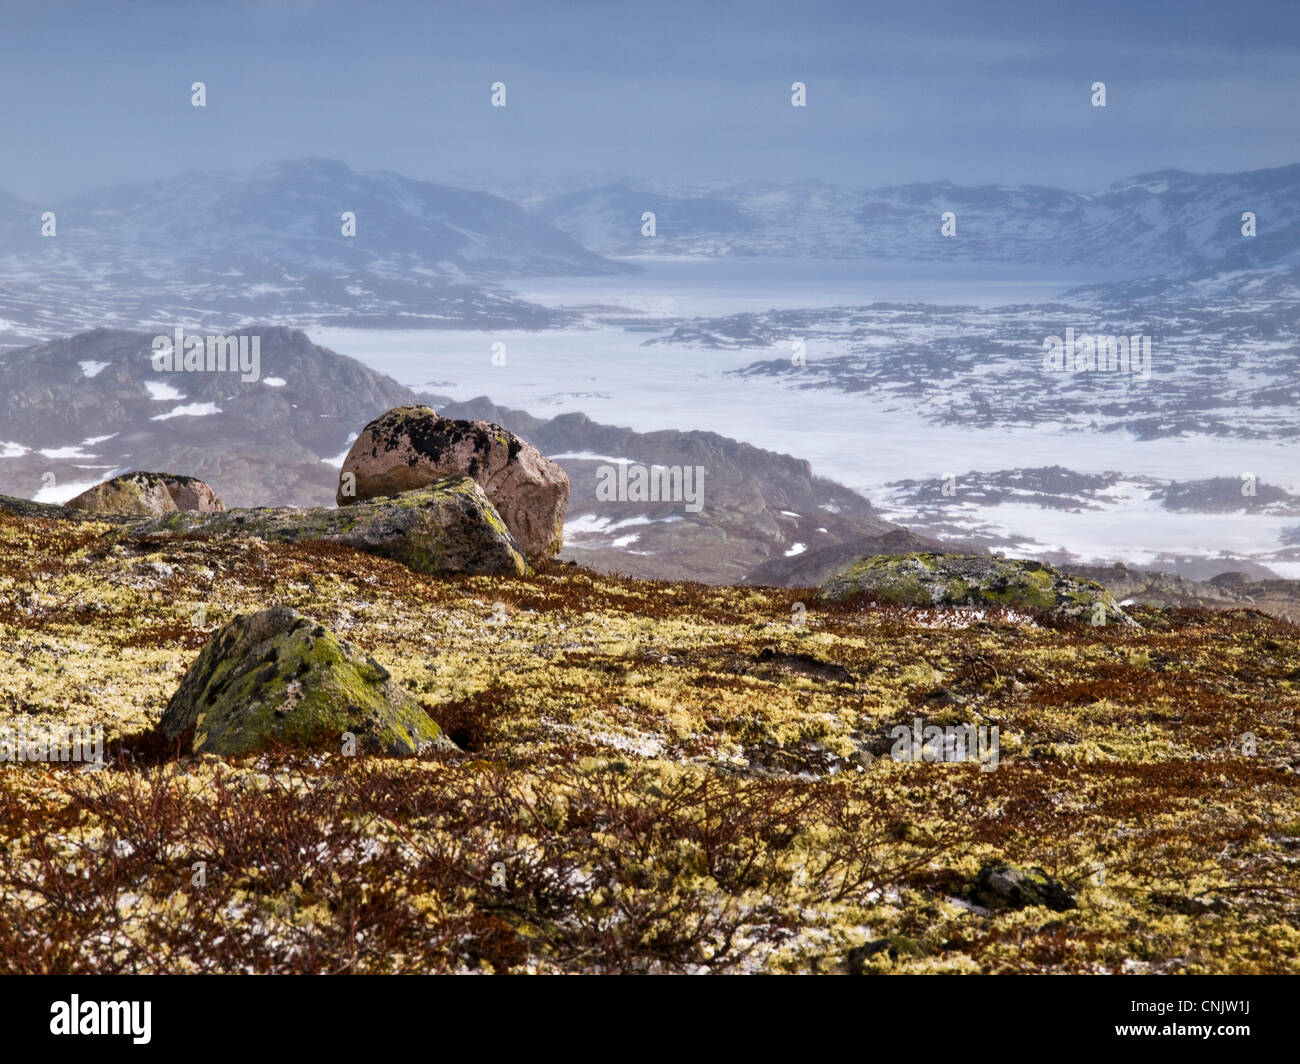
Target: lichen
{"x": 609, "y": 729}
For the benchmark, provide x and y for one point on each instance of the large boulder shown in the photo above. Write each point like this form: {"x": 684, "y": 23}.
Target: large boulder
{"x": 411, "y": 446}
{"x": 447, "y": 527}
{"x": 142, "y": 494}
{"x": 276, "y": 679}
{"x": 976, "y": 581}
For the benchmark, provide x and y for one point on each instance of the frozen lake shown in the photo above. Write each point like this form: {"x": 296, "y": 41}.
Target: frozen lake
{"x": 712, "y": 287}
{"x": 859, "y": 439}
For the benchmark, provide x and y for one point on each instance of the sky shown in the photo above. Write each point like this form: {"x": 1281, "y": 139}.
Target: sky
{"x": 660, "y": 91}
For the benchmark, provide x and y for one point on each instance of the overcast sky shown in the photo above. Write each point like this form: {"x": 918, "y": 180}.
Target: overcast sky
{"x": 981, "y": 92}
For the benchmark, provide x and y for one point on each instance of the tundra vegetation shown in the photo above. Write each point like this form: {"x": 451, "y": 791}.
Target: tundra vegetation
{"x": 649, "y": 777}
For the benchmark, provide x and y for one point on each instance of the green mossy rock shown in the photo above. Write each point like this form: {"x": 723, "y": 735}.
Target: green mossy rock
{"x": 447, "y": 527}
{"x": 976, "y": 581}
{"x": 274, "y": 678}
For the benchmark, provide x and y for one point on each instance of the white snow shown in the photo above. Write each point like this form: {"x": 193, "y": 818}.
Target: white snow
{"x": 594, "y": 525}
{"x": 863, "y": 439}
{"x": 90, "y": 369}
{"x": 62, "y": 491}
{"x": 189, "y": 410}
{"x": 275, "y": 382}
{"x": 589, "y": 456}
{"x": 160, "y": 390}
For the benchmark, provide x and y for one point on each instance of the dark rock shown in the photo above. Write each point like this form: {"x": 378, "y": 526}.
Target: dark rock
{"x": 1004, "y": 886}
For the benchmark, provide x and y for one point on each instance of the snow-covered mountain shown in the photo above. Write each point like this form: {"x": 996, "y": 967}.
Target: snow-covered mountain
{"x": 292, "y": 212}
{"x": 1162, "y": 222}
{"x": 229, "y": 248}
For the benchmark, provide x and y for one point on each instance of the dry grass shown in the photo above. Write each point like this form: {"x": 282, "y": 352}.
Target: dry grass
{"x": 655, "y": 777}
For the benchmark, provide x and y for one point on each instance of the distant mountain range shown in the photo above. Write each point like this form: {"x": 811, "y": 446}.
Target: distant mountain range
{"x": 1155, "y": 223}
{"x": 228, "y": 249}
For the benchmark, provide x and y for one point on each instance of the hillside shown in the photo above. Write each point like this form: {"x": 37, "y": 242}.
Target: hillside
{"x": 756, "y": 504}
{"x": 81, "y": 408}
{"x": 652, "y": 777}
{"x": 87, "y": 407}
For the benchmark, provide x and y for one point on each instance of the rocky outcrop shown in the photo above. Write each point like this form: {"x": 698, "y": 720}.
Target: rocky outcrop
{"x": 411, "y": 446}
{"x": 148, "y": 495}
{"x": 447, "y": 527}
{"x": 817, "y": 566}
{"x": 975, "y": 581}
{"x": 275, "y": 679}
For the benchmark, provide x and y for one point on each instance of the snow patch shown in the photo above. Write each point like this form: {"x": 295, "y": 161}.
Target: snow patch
{"x": 189, "y": 410}
{"x": 161, "y": 391}
{"x": 589, "y": 456}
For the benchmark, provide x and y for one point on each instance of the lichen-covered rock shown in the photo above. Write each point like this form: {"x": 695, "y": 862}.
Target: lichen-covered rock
{"x": 411, "y": 446}
{"x": 977, "y": 581}
{"x": 274, "y": 678}
{"x": 1003, "y": 886}
{"x": 143, "y": 494}
{"x": 447, "y": 527}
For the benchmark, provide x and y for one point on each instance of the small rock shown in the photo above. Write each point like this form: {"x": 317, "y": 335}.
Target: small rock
{"x": 1004, "y": 886}
{"x": 895, "y": 946}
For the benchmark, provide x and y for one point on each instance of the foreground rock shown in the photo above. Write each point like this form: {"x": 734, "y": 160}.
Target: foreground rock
{"x": 447, "y": 527}
{"x": 977, "y": 581}
{"x": 148, "y": 495}
{"x": 274, "y": 678}
{"x": 412, "y": 446}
